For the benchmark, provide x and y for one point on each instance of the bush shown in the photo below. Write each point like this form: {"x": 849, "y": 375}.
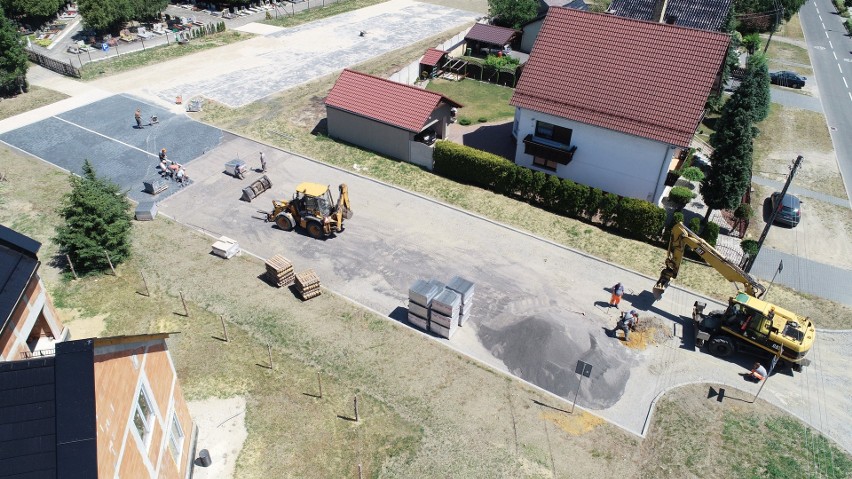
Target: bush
{"x": 677, "y": 217}
{"x": 550, "y": 192}
{"x": 639, "y": 219}
{"x": 482, "y": 119}
{"x": 749, "y": 247}
{"x": 848, "y": 25}
{"x": 695, "y": 225}
{"x": 571, "y": 198}
{"x": 681, "y": 196}
{"x": 744, "y": 212}
{"x": 751, "y": 42}
{"x": 470, "y": 165}
{"x": 691, "y": 173}
{"x": 592, "y": 202}
{"x": 464, "y": 121}
{"x": 608, "y": 208}
{"x": 710, "y": 233}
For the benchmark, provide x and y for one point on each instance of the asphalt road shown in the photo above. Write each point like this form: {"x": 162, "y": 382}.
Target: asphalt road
{"x": 830, "y": 50}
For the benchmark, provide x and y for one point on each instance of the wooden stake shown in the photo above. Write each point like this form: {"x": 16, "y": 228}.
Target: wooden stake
{"x": 183, "y": 301}
{"x": 356, "y": 408}
{"x": 72, "y": 267}
{"x": 224, "y": 329}
{"x": 359, "y": 471}
{"x": 319, "y": 380}
{"x": 110, "y": 263}
{"x": 145, "y": 283}
{"x": 269, "y": 350}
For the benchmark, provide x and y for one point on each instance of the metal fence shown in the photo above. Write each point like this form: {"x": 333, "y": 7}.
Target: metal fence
{"x": 53, "y": 64}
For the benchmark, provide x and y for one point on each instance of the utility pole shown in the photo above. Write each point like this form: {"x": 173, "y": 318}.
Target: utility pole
{"x": 796, "y": 165}
{"x": 778, "y": 10}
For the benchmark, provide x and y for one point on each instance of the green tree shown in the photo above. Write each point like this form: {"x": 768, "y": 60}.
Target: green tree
{"x": 13, "y": 59}
{"x": 730, "y": 164}
{"x": 146, "y": 9}
{"x": 732, "y": 58}
{"x": 31, "y": 8}
{"x": 97, "y": 220}
{"x": 512, "y": 13}
{"x": 104, "y": 15}
{"x": 756, "y": 86}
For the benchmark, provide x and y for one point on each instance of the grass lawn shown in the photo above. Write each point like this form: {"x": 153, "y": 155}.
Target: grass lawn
{"x": 781, "y": 52}
{"x": 789, "y": 132}
{"x": 317, "y": 12}
{"x": 791, "y": 29}
{"x": 454, "y": 418}
{"x": 480, "y": 100}
{"x": 36, "y": 97}
{"x": 132, "y": 61}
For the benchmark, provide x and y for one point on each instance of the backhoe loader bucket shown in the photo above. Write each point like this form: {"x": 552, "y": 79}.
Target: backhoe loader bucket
{"x": 256, "y": 188}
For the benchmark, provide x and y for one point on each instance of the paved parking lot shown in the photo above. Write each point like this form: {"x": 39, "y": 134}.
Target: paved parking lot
{"x": 105, "y": 133}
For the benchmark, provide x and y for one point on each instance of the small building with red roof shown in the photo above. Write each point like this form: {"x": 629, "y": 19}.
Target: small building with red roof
{"x": 431, "y": 62}
{"x": 608, "y": 101}
{"x": 483, "y": 36}
{"x": 394, "y": 119}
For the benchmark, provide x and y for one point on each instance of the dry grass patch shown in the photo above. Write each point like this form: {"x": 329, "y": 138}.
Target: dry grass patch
{"x": 791, "y": 29}
{"x": 788, "y": 53}
{"x": 789, "y": 132}
{"x": 36, "y": 97}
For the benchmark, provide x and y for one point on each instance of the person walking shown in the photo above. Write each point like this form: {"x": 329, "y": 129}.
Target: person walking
{"x": 163, "y": 154}
{"x": 617, "y": 293}
{"x": 262, "y": 163}
{"x": 627, "y": 322}
{"x": 138, "y": 116}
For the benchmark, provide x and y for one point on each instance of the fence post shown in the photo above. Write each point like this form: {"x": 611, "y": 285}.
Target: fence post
{"x": 224, "y": 329}
{"x": 145, "y": 283}
{"x": 183, "y": 301}
{"x": 72, "y": 267}
{"x": 110, "y": 263}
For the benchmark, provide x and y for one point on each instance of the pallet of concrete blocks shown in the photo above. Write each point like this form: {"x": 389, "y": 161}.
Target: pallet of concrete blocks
{"x": 308, "y": 284}
{"x": 419, "y": 298}
{"x": 465, "y": 289}
{"x": 279, "y": 271}
{"x": 444, "y": 313}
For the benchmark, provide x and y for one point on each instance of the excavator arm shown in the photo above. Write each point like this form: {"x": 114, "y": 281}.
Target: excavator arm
{"x": 682, "y": 238}
{"x": 342, "y": 210}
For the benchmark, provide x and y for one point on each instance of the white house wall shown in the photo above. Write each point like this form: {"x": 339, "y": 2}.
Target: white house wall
{"x": 615, "y": 162}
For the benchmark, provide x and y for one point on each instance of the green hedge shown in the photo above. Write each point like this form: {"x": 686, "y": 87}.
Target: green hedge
{"x": 634, "y": 218}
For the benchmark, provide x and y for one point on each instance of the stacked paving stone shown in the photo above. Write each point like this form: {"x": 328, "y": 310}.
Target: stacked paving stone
{"x": 444, "y": 313}
{"x": 465, "y": 289}
{"x": 279, "y": 271}
{"x": 419, "y": 299}
{"x": 308, "y": 284}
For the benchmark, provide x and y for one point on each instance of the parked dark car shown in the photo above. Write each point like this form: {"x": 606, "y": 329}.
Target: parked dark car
{"x": 789, "y": 210}
{"x": 788, "y": 79}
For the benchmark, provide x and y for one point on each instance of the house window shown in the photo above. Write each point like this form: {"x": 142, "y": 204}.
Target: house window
{"x": 545, "y": 163}
{"x": 176, "y": 438}
{"x": 553, "y": 132}
{"x": 143, "y": 416}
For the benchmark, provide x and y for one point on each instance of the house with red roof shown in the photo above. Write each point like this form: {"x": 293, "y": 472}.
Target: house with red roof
{"x": 608, "y": 101}
{"x": 394, "y": 119}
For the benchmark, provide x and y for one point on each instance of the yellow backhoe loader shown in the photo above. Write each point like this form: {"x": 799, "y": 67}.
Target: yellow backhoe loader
{"x": 749, "y": 324}
{"x": 313, "y": 209}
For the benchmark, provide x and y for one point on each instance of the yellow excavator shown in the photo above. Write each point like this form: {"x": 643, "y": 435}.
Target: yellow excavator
{"x": 313, "y": 209}
{"x": 749, "y": 324}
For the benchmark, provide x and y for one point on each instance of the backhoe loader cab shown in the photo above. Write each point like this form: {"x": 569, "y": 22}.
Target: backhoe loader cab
{"x": 312, "y": 208}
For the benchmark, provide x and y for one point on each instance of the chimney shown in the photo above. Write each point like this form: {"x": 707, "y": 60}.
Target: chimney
{"x": 659, "y": 10}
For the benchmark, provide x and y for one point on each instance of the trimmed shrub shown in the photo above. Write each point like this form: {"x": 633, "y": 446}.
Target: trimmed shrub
{"x": 469, "y": 165}
{"x": 681, "y": 196}
{"x": 710, "y": 233}
{"x": 639, "y": 219}
{"x": 695, "y": 225}
{"x": 608, "y": 208}
{"x": 571, "y": 198}
{"x": 550, "y": 192}
{"x": 691, "y": 173}
{"x": 749, "y": 247}
{"x": 482, "y": 119}
{"x": 523, "y": 182}
{"x": 592, "y": 202}
{"x": 677, "y": 217}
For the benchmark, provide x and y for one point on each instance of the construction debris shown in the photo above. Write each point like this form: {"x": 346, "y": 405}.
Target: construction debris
{"x": 308, "y": 284}
{"x": 279, "y": 271}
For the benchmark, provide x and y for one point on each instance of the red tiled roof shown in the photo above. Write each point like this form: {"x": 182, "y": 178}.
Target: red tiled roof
{"x": 491, "y": 34}
{"x": 643, "y": 78}
{"x": 432, "y": 57}
{"x": 387, "y": 101}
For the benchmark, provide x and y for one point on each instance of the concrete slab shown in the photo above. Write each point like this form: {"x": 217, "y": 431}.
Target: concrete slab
{"x": 530, "y": 292}
{"x": 105, "y": 133}
{"x": 297, "y": 55}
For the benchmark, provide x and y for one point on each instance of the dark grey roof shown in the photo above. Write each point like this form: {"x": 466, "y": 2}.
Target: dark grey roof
{"x": 701, "y": 14}
{"x": 577, "y": 5}
{"x": 18, "y": 262}
{"x": 47, "y": 415}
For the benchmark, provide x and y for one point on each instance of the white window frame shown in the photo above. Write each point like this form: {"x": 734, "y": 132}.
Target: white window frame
{"x": 172, "y": 442}
{"x": 148, "y": 422}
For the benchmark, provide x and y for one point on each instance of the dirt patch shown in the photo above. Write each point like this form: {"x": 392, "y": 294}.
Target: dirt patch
{"x": 649, "y": 332}
{"x": 222, "y": 431}
{"x": 81, "y": 325}
{"x": 574, "y": 424}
